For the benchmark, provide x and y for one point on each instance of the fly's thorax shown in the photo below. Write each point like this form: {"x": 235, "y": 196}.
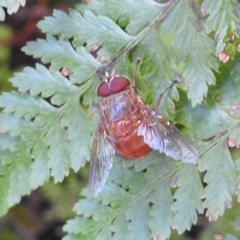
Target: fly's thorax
{"x": 115, "y": 105}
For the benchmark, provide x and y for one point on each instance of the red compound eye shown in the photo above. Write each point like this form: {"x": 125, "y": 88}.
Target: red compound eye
{"x": 103, "y": 90}
{"x": 119, "y": 84}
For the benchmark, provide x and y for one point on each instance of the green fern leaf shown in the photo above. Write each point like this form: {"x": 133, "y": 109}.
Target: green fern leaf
{"x": 222, "y": 15}
{"x": 19, "y": 180}
{"x": 45, "y": 83}
{"x": 133, "y": 198}
{"x": 30, "y": 106}
{"x": 40, "y": 172}
{"x": 61, "y": 54}
{"x": 161, "y": 226}
{"x": 138, "y": 217}
{"x": 134, "y": 15}
{"x": 11, "y": 5}
{"x": 221, "y": 178}
{"x": 215, "y": 12}
{"x": 77, "y": 134}
{"x": 91, "y": 29}
{"x": 186, "y": 209}
{"x": 190, "y": 38}
{"x": 58, "y": 153}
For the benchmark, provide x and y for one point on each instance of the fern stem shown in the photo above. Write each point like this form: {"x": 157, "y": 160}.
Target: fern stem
{"x": 139, "y": 36}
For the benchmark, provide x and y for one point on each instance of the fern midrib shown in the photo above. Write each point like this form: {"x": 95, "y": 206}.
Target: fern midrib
{"x": 142, "y": 34}
{"x": 218, "y": 137}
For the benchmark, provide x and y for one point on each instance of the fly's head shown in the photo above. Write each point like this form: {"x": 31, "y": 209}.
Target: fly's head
{"x": 113, "y": 84}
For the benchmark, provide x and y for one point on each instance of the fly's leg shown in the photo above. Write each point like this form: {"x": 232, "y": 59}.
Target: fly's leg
{"x": 135, "y": 73}
{"x": 177, "y": 80}
{"x": 169, "y": 88}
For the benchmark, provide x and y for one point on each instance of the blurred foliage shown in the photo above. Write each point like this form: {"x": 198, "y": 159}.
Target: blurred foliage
{"x": 63, "y": 196}
{"x": 6, "y": 73}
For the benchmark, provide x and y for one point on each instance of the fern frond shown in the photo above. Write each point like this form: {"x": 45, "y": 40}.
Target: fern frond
{"x": 134, "y": 199}
{"x": 221, "y": 178}
{"x": 222, "y": 15}
{"x": 11, "y": 5}
{"x": 91, "y": 29}
{"x": 195, "y": 48}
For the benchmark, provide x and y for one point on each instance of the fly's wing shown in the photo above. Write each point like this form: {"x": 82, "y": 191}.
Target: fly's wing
{"x": 100, "y": 161}
{"x": 165, "y": 137}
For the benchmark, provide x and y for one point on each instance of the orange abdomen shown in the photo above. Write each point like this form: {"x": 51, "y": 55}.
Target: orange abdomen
{"x": 126, "y": 142}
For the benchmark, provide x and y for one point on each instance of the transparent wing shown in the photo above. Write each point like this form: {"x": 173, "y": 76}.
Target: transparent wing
{"x": 100, "y": 161}
{"x": 165, "y": 137}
